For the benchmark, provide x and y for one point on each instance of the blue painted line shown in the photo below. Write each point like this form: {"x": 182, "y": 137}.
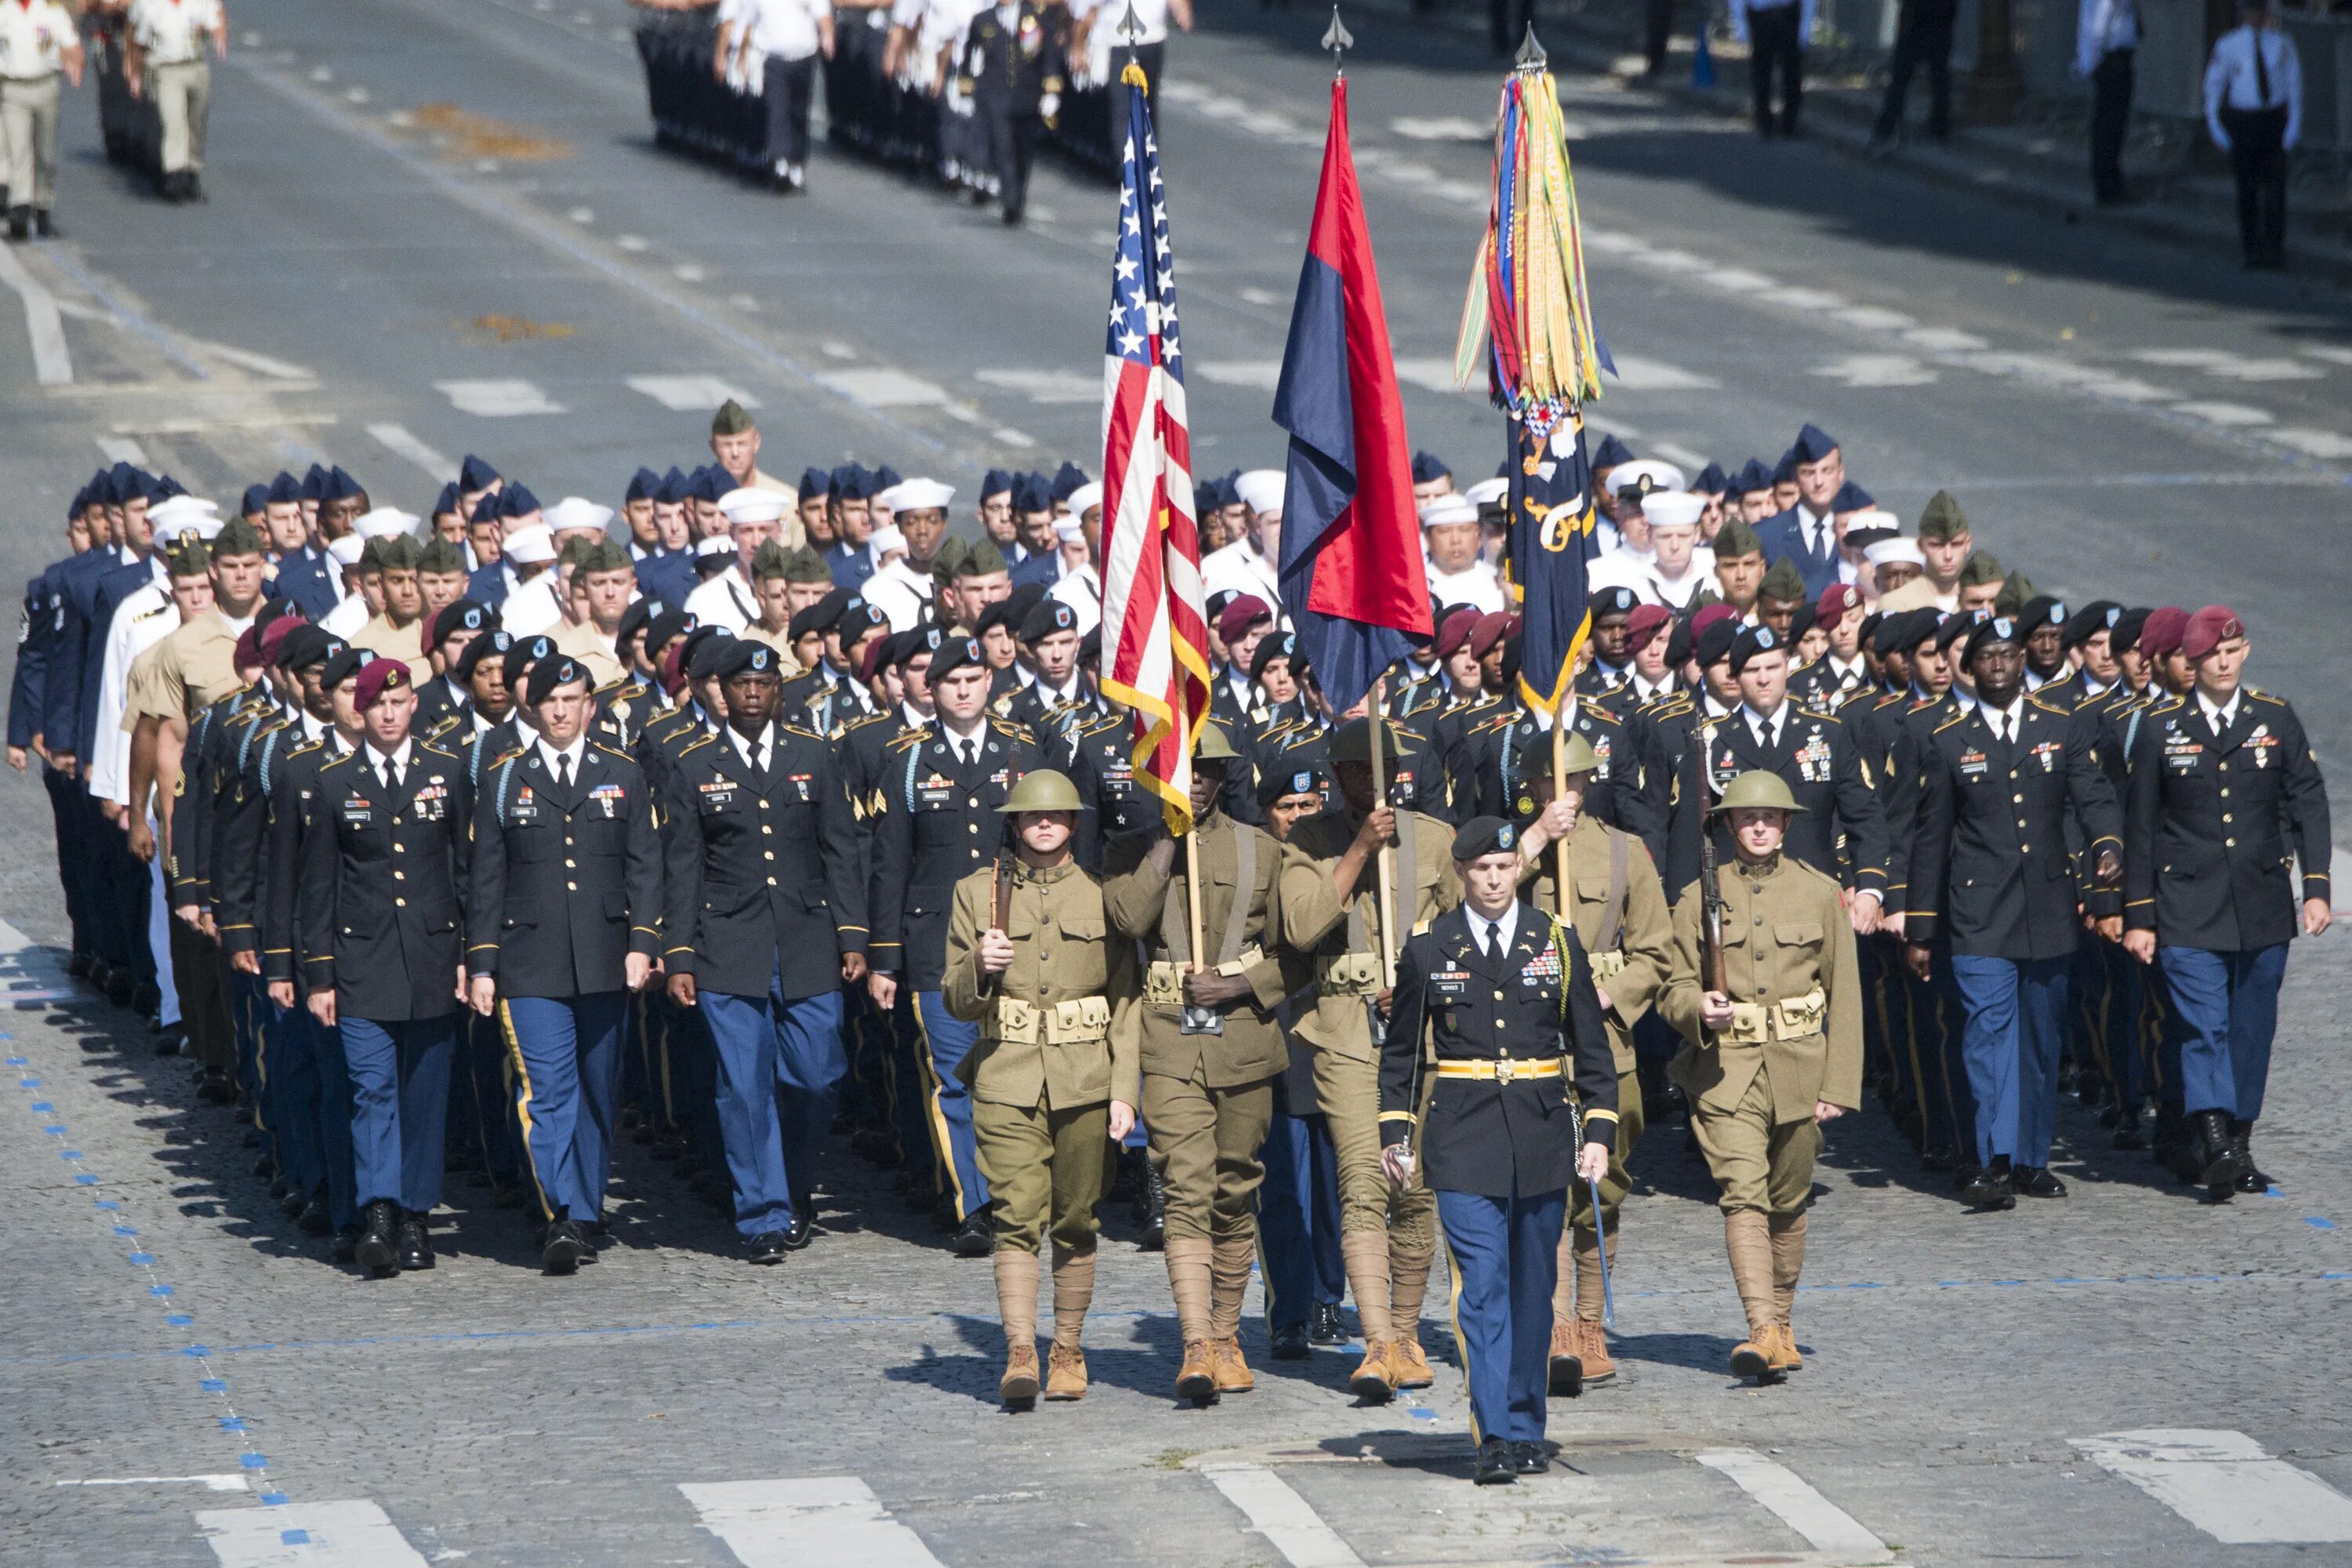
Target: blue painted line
{"x": 252, "y": 1461}
{"x": 181, "y": 1320}
{"x": 294, "y": 1537}
{"x": 141, "y": 1259}
{"x": 198, "y": 1352}
{"x": 16, "y": 1061}
{"x": 159, "y": 1290}
{"x": 2318, "y": 1224}
{"x": 28, "y": 1083}
{"x": 86, "y": 1180}
{"x": 1418, "y": 1413}
{"x": 215, "y": 1385}
{"x": 232, "y": 1423}
{"x": 126, "y": 1230}
{"x": 109, "y": 1204}
{"x": 59, "y": 1132}
{"x": 43, "y": 1108}
{"x": 68, "y": 1153}
{"x": 273, "y": 1499}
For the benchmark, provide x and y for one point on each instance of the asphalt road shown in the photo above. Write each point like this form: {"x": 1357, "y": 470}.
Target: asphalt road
{"x": 440, "y": 227}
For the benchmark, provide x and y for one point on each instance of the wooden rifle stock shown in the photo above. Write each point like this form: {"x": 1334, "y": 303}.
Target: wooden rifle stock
{"x": 988, "y": 983}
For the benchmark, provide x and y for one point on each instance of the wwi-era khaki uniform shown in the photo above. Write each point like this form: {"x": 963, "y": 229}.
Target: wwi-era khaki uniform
{"x": 1388, "y": 1237}
{"x": 1618, "y": 908}
{"x": 1795, "y": 1039}
{"x": 1057, "y": 1045}
{"x": 1208, "y": 1098}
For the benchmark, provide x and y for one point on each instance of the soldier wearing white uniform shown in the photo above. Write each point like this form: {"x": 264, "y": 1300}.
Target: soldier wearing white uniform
{"x": 37, "y": 41}
{"x": 166, "y": 62}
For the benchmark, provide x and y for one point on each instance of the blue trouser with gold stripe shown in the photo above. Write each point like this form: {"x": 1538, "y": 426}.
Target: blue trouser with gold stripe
{"x": 2016, "y": 1023}
{"x": 780, "y": 1068}
{"x": 1298, "y": 1220}
{"x": 949, "y": 1039}
{"x": 567, "y": 1058}
{"x": 2228, "y": 1006}
{"x": 400, "y": 1107}
{"x": 1504, "y": 1255}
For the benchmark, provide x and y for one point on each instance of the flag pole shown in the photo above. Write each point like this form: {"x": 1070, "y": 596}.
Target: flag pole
{"x": 1193, "y": 846}
{"x": 1379, "y": 728}
{"x": 1560, "y": 788}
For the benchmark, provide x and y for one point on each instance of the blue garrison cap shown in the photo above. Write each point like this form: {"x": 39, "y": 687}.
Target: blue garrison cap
{"x": 314, "y": 483}
{"x": 1208, "y": 495}
{"x": 995, "y": 482}
{"x": 884, "y": 477}
{"x": 515, "y": 500}
{"x": 285, "y": 489}
{"x": 78, "y": 505}
{"x": 849, "y": 482}
{"x": 257, "y": 497}
{"x": 708, "y": 483}
{"x": 814, "y": 482}
{"x": 1812, "y": 444}
{"x": 1428, "y": 465}
{"x": 474, "y": 474}
{"x": 672, "y": 488}
{"x": 447, "y": 501}
{"x": 163, "y": 487}
{"x": 486, "y": 510}
{"x": 1030, "y": 494}
{"x": 1067, "y": 480}
{"x": 1612, "y": 452}
{"x": 339, "y": 485}
{"x": 642, "y": 485}
{"x": 1711, "y": 480}
{"x": 1851, "y": 497}
{"x": 1752, "y": 476}
{"x": 1785, "y": 472}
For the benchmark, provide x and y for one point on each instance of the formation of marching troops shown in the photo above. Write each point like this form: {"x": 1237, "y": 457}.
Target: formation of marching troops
{"x": 962, "y": 92}
{"x": 744, "y": 815}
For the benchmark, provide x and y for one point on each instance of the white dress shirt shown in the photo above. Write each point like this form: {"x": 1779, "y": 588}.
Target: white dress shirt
{"x": 1495, "y": 936}
{"x": 2220, "y": 718}
{"x": 2231, "y": 80}
{"x": 2101, "y": 28}
{"x": 756, "y": 750}
{"x": 565, "y": 763}
{"x": 398, "y": 761}
{"x": 2005, "y": 721}
{"x": 1767, "y": 729}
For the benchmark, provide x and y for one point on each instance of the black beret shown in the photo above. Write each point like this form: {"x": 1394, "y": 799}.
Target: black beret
{"x": 465, "y": 615}
{"x": 550, "y": 673}
{"x": 1484, "y": 835}
{"x": 2127, "y": 628}
{"x": 668, "y": 624}
{"x": 636, "y": 618}
{"x": 1713, "y": 644}
{"x": 1277, "y": 645}
{"x": 706, "y": 656}
{"x": 1993, "y": 630}
{"x": 1956, "y": 626}
{"x": 343, "y": 664}
{"x": 1800, "y": 622}
{"x": 744, "y": 656}
{"x": 1751, "y": 641}
{"x": 1047, "y": 618}
{"x": 1003, "y": 613}
{"x": 306, "y": 645}
{"x": 1286, "y": 780}
{"x": 858, "y": 620}
{"x": 1090, "y": 647}
{"x": 2041, "y": 610}
{"x": 525, "y": 650}
{"x": 489, "y": 644}
{"x": 828, "y": 610}
{"x": 1903, "y": 630}
{"x": 954, "y": 654}
{"x": 807, "y": 622}
{"x": 913, "y": 643}
{"x": 1615, "y": 600}
{"x": 2098, "y": 616}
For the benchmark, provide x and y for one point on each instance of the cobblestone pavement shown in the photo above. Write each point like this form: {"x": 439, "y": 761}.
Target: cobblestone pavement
{"x": 175, "y": 1356}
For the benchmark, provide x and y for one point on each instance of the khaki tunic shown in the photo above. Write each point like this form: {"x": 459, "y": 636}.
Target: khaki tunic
{"x": 1786, "y": 937}
{"x": 1041, "y": 1109}
{"x": 580, "y": 640}
{"x": 192, "y": 668}
{"x": 406, "y": 644}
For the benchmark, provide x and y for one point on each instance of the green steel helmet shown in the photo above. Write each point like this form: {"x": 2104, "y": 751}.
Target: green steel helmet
{"x": 1212, "y": 746}
{"x": 1535, "y": 754}
{"x": 1756, "y": 787}
{"x": 1352, "y": 741}
{"x": 1043, "y": 790}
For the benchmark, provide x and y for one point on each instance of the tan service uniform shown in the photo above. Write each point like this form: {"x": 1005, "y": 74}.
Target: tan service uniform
{"x": 175, "y": 34}
{"x": 1796, "y": 1039}
{"x": 406, "y": 644}
{"x": 1618, "y": 913}
{"x": 1208, "y": 1099}
{"x": 1388, "y": 1238}
{"x": 1057, "y": 1045}
{"x": 593, "y": 653}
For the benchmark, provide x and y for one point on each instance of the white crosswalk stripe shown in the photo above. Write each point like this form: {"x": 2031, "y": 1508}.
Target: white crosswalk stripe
{"x": 1821, "y": 1522}
{"x": 884, "y": 388}
{"x": 1636, "y": 374}
{"x": 697, "y": 393}
{"x": 353, "y": 1533}
{"x": 1262, "y": 373}
{"x": 813, "y": 1519}
{"x": 396, "y": 439}
{"x": 1044, "y": 386}
{"x": 2226, "y": 1485}
{"x": 1878, "y": 370}
{"x": 1290, "y": 1525}
{"x": 497, "y": 399}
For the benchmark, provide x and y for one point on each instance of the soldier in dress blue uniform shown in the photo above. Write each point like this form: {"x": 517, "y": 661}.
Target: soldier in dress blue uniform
{"x": 1505, "y": 994}
{"x": 560, "y": 922}
{"x": 764, "y": 922}
{"x": 937, "y": 822}
{"x": 305, "y": 576}
{"x": 382, "y": 857}
{"x": 1805, "y": 533}
{"x": 2223, "y": 787}
{"x": 1993, "y": 876}
{"x": 1011, "y": 64}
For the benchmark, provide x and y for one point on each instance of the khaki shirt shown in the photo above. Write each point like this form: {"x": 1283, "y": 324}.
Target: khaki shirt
{"x": 1316, "y": 922}
{"x": 34, "y": 39}
{"x": 1642, "y": 956}
{"x": 787, "y": 662}
{"x": 579, "y": 640}
{"x": 406, "y": 644}
{"x": 191, "y": 670}
{"x": 1151, "y": 906}
{"x": 1063, "y": 951}
{"x": 1785, "y": 936}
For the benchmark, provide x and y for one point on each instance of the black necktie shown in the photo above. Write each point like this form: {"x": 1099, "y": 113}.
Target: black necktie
{"x": 1493, "y": 947}
{"x": 563, "y": 769}
{"x": 2261, "y": 70}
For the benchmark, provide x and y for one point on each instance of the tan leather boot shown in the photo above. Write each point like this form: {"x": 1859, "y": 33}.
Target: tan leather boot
{"x": 1365, "y": 1255}
{"x": 1408, "y": 1282}
{"x": 1065, "y": 1372}
{"x": 1196, "y": 1380}
{"x": 1748, "y": 1240}
{"x": 1374, "y": 1379}
{"x": 1567, "y": 1364}
{"x": 1599, "y": 1365}
{"x": 1783, "y": 1352}
{"x": 1231, "y": 1372}
{"x": 1788, "y": 1264}
{"x": 1018, "y": 1386}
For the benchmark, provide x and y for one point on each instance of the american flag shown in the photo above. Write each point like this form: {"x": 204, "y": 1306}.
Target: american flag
{"x": 1155, "y": 635}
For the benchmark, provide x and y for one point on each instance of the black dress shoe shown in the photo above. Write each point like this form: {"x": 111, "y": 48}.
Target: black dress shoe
{"x": 346, "y": 1244}
{"x": 1155, "y": 1215}
{"x": 1935, "y": 1157}
{"x": 1323, "y": 1324}
{"x": 1290, "y": 1342}
{"x": 799, "y": 1232}
{"x": 216, "y": 1086}
{"x": 147, "y": 999}
{"x": 564, "y": 1245}
{"x": 2217, "y": 1153}
{"x": 768, "y": 1247}
{"x": 2251, "y": 1177}
{"x": 169, "y": 1043}
{"x": 976, "y": 1237}
{"x": 1988, "y": 1189}
{"x": 77, "y": 966}
{"x": 265, "y": 1167}
{"x": 1529, "y": 1458}
{"x": 1495, "y": 1467}
{"x": 416, "y": 1249}
{"x": 379, "y": 1245}
{"x": 2036, "y": 1182}
{"x": 313, "y": 1219}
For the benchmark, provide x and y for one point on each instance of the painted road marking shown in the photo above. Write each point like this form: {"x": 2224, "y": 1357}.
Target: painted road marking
{"x": 497, "y": 399}
{"x": 1878, "y": 370}
{"x": 1821, "y": 1522}
{"x": 353, "y": 1533}
{"x": 2226, "y": 1485}
{"x": 817, "y": 1519}
{"x": 2312, "y": 443}
{"x": 52, "y": 365}
{"x": 690, "y": 394}
{"x": 234, "y": 1483}
{"x": 883, "y": 388}
{"x": 1276, "y": 1512}
{"x": 396, "y": 439}
{"x": 1044, "y": 386}
{"x": 1637, "y": 374}
{"x": 122, "y": 450}
{"x": 1262, "y": 373}
{"x": 2230, "y": 413}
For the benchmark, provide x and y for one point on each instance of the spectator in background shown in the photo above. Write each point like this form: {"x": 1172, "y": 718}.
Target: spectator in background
{"x": 2254, "y": 109}
{"x": 1775, "y": 33}
{"x": 1923, "y": 37}
{"x": 2106, "y": 37}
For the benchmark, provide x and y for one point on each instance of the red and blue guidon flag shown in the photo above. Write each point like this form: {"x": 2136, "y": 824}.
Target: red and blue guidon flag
{"x": 1155, "y": 655}
{"x": 1352, "y": 577}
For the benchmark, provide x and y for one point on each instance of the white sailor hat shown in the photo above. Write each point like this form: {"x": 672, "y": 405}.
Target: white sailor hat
{"x": 577, "y": 511}
{"x": 384, "y": 522}
{"x": 1668, "y": 509}
{"x": 1089, "y": 494}
{"x": 749, "y": 505}
{"x": 175, "y": 515}
{"x": 1487, "y": 492}
{"x": 1898, "y": 549}
{"x": 345, "y": 551}
{"x": 1260, "y": 490}
{"x": 920, "y": 495}
{"x": 530, "y": 546}
{"x": 1449, "y": 508}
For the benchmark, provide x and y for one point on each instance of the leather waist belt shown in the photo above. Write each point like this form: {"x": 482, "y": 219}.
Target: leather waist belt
{"x": 1078, "y": 1021}
{"x": 1503, "y": 1071}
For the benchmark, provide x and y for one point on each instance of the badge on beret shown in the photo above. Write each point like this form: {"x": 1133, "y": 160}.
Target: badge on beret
{"x": 1301, "y": 784}
{"x": 2058, "y": 610}
{"x": 1764, "y": 639}
{"x": 2003, "y": 628}
{"x": 472, "y": 619}
{"x": 1507, "y": 838}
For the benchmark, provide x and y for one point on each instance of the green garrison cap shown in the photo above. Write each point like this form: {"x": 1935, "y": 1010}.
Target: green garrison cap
{"x": 1784, "y": 581}
{"x": 731, "y": 419}
{"x": 238, "y": 537}
{"x": 1982, "y": 567}
{"x": 1736, "y": 539}
{"x": 1942, "y": 518}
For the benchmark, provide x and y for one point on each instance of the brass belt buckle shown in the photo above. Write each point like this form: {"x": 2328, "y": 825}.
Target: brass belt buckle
{"x": 1503, "y": 1071}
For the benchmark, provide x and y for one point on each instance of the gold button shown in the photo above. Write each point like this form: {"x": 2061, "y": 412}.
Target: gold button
{"x": 2225, "y": 816}
{"x": 400, "y": 903}
{"x": 763, "y": 805}
{"x": 771, "y": 854}
{"x": 973, "y": 802}
{"x": 771, "y": 882}
{"x": 2225, "y": 795}
{"x": 567, "y": 839}
{"x": 1498, "y": 1023}
{"x": 403, "y": 876}
{"x": 972, "y": 827}
{"x": 572, "y": 887}
{"x": 2230, "y": 843}
{"x": 2024, "y": 848}
{"x": 571, "y": 865}
{"x": 765, "y": 828}
{"x": 1498, "y": 996}
{"x": 1760, "y": 919}
{"x": 402, "y": 849}
{"x": 2018, "y": 798}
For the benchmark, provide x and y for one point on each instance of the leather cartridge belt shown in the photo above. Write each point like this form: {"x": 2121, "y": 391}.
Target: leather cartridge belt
{"x": 1607, "y": 964}
{"x": 1163, "y": 978}
{"x": 1507, "y": 1070}
{"x": 1348, "y": 973}
{"x": 1790, "y": 1018}
{"x": 1079, "y": 1021}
